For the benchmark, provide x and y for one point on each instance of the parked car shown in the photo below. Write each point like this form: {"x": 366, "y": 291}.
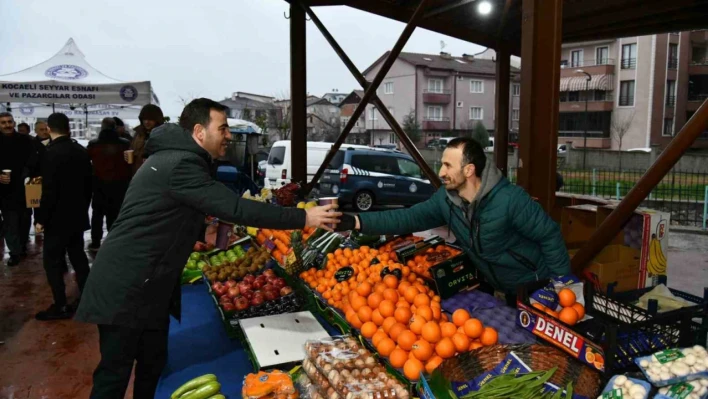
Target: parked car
{"x": 278, "y": 169}
{"x": 562, "y": 148}
{"x": 260, "y": 173}
{"x": 364, "y": 177}
{"x": 232, "y": 178}
{"x": 440, "y": 143}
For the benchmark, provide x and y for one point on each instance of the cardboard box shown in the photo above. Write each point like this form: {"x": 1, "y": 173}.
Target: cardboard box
{"x": 647, "y": 231}
{"x": 578, "y": 223}
{"x": 33, "y": 195}
{"x": 616, "y": 265}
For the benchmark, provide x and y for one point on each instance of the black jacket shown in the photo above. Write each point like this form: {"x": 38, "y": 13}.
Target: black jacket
{"x": 17, "y": 153}
{"x": 135, "y": 278}
{"x": 66, "y": 187}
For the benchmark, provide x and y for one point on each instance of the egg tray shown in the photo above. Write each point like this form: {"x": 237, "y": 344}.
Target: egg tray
{"x": 616, "y": 334}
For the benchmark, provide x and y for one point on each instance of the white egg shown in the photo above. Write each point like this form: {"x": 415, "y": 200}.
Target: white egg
{"x": 620, "y": 380}
{"x": 628, "y": 384}
{"x": 644, "y": 363}
{"x": 664, "y": 376}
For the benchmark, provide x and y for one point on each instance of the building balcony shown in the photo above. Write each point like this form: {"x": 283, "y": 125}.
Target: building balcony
{"x": 433, "y": 123}
{"x": 437, "y": 96}
{"x": 698, "y": 67}
{"x": 695, "y": 101}
{"x": 593, "y": 67}
{"x": 671, "y": 101}
{"x": 593, "y": 106}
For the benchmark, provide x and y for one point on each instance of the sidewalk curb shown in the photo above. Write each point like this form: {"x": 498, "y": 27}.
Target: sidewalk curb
{"x": 689, "y": 230}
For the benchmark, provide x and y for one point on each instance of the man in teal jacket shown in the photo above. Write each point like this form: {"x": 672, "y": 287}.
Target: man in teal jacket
{"x": 507, "y": 235}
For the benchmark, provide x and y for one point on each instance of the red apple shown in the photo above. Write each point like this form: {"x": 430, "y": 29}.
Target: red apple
{"x": 257, "y": 300}
{"x": 241, "y": 303}
{"x": 215, "y": 286}
{"x": 220, "y": 291}
{"x": 230, "y": 283}
{"x": 225, "y": 299}
{"x": 268, "y": 287}
{"x": 234, "y": 292}
{"x": 269, "y": 273}
{"x": 279, "y": 283}
{"x": 258, "y": 284}
{"x": 285, "y": 291}
{"x": 249, "y": 279}
{"x": 244, "y": 286}
{"x": 270, "y": 295}
{"x": 247, "y": 294}
{"x": 228, "y": 306}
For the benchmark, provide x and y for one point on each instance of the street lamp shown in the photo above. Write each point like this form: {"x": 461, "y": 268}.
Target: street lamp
{"x": 588, "y": 78}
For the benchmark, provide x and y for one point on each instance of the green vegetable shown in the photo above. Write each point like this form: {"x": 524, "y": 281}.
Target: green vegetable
{"x": 333, "y": 245}
{"x": 203, "y": 392}
{"x": 217, "y": 396}
{"x": 315, "y": 235}
{"x": 523, "y": 386}
{"x": 193, "y": 384}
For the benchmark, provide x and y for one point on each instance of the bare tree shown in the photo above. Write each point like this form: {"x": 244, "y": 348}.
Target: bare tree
{"x": 187, "y": 98}
{"x": 618, "y": 129}
{"x": 282, "y": 122}
{"x": 326, "y": 125}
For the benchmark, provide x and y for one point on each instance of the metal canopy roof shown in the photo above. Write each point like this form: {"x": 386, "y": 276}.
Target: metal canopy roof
{"x": 582, "y": 19}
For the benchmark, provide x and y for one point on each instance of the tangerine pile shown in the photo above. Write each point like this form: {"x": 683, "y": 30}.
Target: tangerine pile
{"x": 571, "y": 311}
{"x": 403, "y": 319}
{"x": 421, "y": 263}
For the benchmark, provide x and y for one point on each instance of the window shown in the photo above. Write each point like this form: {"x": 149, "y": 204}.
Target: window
{"x": 668, "y": 127}
{"x": 276, "y": 156}
{"x": 376, "y": 163}
{"x": 388, "y": 88}
{"x": 460, "y": 77}
{"x": 345, "y": 120}
{"x": 372, "y": 114}
{"x": 409, "y": 168}
{"x": 602, "y": 95}
{"x": 476, "y": 113}
{"x": 670, "y": 93}
{"x": 435, "y": 85}
{"x": 516, "y": 89}
{"x": 629, "y": 56}
{"x": 460, "y": 104}
{"x": 576, "y": 58}
{"x": 626, "y": 93}
{"x": 573, "y": 96}
{"x": 602, "y": 55}
{"x": 515, "y": 114}
{"x": 476, "y": 86}
{"x": 673, "y": 56}
{"x": 434, "y": 113}
{"x": 392, "y": 138}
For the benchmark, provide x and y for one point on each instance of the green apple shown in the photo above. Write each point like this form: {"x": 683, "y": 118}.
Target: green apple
{"x": 201, "y": 264}
{"x": 195, "y": 256}
{"x": 191, "y": 264}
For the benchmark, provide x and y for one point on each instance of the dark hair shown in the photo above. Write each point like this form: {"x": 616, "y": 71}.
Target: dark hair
{"x": 25, "y": 125}
{"x": 152, "y": 112}
{"x": 6, "y": 115}
{"x": 472, "y": 153}
{"x": 197, "y": 112}
{"x": 108, "y": 124}
{"x": 59, "y": 123}
{"x": 119, "y": 121}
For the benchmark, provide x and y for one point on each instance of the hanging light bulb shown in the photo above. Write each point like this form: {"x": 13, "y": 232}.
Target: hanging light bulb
{"x": 484, "y": 7}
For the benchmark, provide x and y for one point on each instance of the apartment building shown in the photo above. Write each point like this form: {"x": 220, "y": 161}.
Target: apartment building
{"x": 358, "y": 134}
{"x": 448, "y": 95}
{"x": 642, "y": 89}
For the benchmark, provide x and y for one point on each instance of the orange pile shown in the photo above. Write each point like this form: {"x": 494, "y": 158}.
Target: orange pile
{"x": 421, "y": 263}
{"x": 571, "y": 312}
{"x": 281, "y": 239}
{"x": 403, "y": 319}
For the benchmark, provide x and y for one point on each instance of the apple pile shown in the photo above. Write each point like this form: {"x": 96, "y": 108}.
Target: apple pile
{"x": 202, "y": 247}
{"x": 251, "y": 291}
{"x": 195, "y": 262}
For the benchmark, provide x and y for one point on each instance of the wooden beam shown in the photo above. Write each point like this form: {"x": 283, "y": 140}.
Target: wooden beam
{"x": 298, "y": 94}
{"x": 501, "y": 114}
{"x": 446, "y": 8}
{"x": 370, "y": 90}
{"x": 663, "y": 164}
{"x": 540, "y": 80}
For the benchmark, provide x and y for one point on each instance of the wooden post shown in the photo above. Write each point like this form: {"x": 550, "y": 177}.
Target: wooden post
{"x": 541, "y": 30}
{"x": 501, "y": 115}
{"x": 298, "y": 94}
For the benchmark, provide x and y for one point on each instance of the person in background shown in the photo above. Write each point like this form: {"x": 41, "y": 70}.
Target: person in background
{"x": 134, "y": 283}
{"x": 508, "y": 236}
{"x": 150, "y": 117}
{"x": 19, "y": 156}
{"x": 23, "y": 128}
{"x": 120, "y": 128}
{"x": 40, "y": 148}
{"x": 41, "y": 131}
{"x": 111, "y": 178}
{"x": 63, "y": 216}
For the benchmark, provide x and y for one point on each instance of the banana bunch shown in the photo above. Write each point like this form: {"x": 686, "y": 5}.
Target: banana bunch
{"x": 203, "y": 387}
{"x": 657, "y": 260}
{"x": 247, "y": 195}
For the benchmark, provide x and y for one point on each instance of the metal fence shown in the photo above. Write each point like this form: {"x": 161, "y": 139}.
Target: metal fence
{"x": 684, "y": 195}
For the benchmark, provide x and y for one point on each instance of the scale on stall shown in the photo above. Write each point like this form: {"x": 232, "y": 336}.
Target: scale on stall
{"x": 280, "y": 339}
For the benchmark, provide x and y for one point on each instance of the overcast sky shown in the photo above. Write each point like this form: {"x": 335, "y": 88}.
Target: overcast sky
{"x": 211, "y": 50}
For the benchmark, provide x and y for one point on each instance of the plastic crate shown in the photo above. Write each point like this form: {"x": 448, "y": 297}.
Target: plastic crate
{"x": 617, "y": 333}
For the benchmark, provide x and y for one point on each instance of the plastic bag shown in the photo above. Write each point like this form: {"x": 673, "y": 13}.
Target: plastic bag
{"x": 696, "y": 389}
{"x": 273, "y": 385}
{"x": 626, "y": 387}
{"x": 667, "y": 300}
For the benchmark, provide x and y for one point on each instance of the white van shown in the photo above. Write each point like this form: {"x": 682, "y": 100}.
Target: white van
{"x": 278, "y": 168}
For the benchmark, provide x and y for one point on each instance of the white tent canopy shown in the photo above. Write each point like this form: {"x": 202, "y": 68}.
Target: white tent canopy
{"x": 67, "y": 78}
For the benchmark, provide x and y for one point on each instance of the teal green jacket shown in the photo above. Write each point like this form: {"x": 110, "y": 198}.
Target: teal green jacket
{"x": 508, "y": 236}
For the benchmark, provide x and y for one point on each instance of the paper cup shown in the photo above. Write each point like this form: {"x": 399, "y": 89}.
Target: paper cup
{"x": 6, "y": 172}
{"x": 328, "y": 201}
{"x": 129, "y": 156}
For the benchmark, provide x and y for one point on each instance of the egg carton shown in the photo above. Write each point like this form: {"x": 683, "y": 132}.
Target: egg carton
{"x": 621, "y": 386}
{"x": 696, "y": 389}
{"x": 673, "y": 366}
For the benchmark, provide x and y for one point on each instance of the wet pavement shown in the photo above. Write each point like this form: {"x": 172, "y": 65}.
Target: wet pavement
{"x": 48, "y": 360}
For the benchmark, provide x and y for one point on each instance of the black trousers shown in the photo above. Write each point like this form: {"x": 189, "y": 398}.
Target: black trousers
{"x": 56, "y": 245}
{"x": 97, "y": 215}
{"x": 120, "y": 348}
{"x": 13, "y": 222}
{"x": 107, "y": 200}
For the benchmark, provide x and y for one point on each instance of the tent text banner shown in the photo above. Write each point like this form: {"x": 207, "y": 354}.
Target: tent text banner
{"x": 60, "y": 92}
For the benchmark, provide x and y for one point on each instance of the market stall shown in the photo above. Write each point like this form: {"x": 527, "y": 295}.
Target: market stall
{"x": 317, "y": 314}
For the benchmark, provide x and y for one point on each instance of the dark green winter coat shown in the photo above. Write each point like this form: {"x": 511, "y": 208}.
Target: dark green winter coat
{"x": 507, "y": 235}
{"x": 134, "y": 281}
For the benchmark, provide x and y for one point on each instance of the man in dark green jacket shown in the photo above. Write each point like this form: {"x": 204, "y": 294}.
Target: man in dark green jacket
{"x": 507, "y": 235}
{"x": 134, "y": 283}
